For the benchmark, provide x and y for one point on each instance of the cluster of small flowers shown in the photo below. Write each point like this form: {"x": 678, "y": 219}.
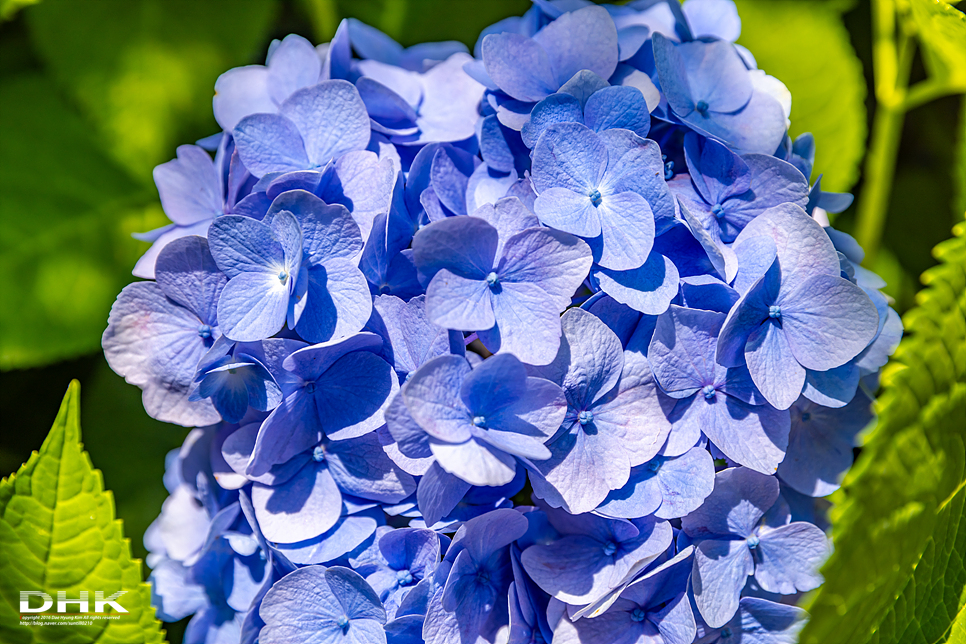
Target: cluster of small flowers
{"x": 583, "y": 266}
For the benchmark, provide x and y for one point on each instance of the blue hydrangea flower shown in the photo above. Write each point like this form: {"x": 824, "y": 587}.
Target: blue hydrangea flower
{"x": 292, "y": 64}
{"x": 796, "y": 312}
{"x": 820, "y": 444}
{"x": 759, "y": 621}
{"x": 314, "y": 126}
{"x": 607, "y": 188}
{"x": 731, "y": 544}
{"x": 471, "y": 602}
{"x": 295, "y": 267}
{"x": 594, "y": 555}
{"x": 667, "y": 487}
{"x": 726, "y": 191}
{"x": 709, "y": 89}
{"x": 415, "y": 108}
{"x": 405, "y": 557}
{"x": 337, "y": 390}
{"x": 530, "y": 69}
{"x": 509, "y": 284}
{"x": 235, "y": 380}
{"x": 371, "y": 43}
{"x": 304, "y": 499}
{"x": 479, "y": 420}
{"x": 615, "y": 416}
{"x": 158, "y": 331}
{"x": 192, "y": 195}
{"x": 719, "y": 402}
{"x": 319, "y": 604}
{"x": 653, "y": 609}
{"x": 607, "y": 108}
{"x": 359, "y": 180}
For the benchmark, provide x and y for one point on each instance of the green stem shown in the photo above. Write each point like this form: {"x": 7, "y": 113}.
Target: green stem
{"x": 892, "y": 67}
{"x": 877, "y": 181}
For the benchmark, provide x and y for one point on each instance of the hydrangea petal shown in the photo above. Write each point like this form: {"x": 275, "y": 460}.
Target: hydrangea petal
{"x": 719, "y": 574}
{"x": 331, "y": 119}
{"x": 303, "y": 507}
{"x": 789, "y": 558}
{"x": 270, "y": 143}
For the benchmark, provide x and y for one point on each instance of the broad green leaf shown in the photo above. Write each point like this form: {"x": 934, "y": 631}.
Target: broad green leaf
{"x": 66, "y": 216}
{"x": 898, "y": 524}
{"x": 959, "y": 167}
{"x": 942, "y": 35}
{"x": 144, "y": 70}
{"x": 9, "y": 8}
{"x": 806, "y": 46}
{"x": 58, "y": 533}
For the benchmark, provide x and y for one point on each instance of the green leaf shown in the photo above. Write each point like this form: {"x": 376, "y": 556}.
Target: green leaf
{"x": 942, "y": 36}
{"x": 959, "y": 167}
{"x": 898, "y": 572}
{"x": 144, "y": 71}
{"x": 806, "y": 46}
{"x": 9, "y": 8}
{"x": 66, "y": 217}
{"x": 58, "y": 533}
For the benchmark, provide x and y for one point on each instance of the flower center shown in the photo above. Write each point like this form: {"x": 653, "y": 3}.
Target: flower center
{"x": 384, "y": 289}
{"x": 708, "y": 391}
{"x": 610, "y": 548}
{"x": 585, "y": 417}
{"x": 806, "y": 415}
{"x": 282, "y": 276}
{"x": 480, "y": 421}
{"x": 595, "y": 197}
{"x": 204, "y": 331}
{"x": 318, "y": 454}
{"x": 717, "y": 210}
{"x": 654, "y": 465}
{"x": 492, "y": 279}
{"x": 638, "y": 614}
{"x": 725, "y": 633}
{"x": 668, "y": 168}
{"x": 310, "y": 387}
{"x": 702, "y": 108}
{"x": 775, "y": 312}
{"x": 404, "y": 577}
{"x": 752, "y": 541}
{"x": 343, "y": 622}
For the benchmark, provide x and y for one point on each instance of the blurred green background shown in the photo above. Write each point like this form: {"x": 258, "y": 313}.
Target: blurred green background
{"x": 95, "y": 93}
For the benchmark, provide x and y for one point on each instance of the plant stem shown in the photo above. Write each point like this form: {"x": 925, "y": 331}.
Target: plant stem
{"x": 880, "y": 167}
{"x": 892, "y": 66}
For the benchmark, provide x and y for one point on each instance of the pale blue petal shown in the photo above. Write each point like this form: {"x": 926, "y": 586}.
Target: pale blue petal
{"x": 331, "y": 119}
{"x": 719, "y": 574}
{"x": 270, "y": 143}
{"x": 788, "y": 558}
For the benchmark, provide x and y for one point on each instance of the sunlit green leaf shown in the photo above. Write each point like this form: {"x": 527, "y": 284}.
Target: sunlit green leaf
{"x": 66, "y": 216}
{"x": 941, "y": 30}
{"x": 144, "y": 70}
{"x": 806, "y": 46}
{"x": 9, "y": 8}
{"x": 58, "y": 533}
{"x": 898, "y": 572}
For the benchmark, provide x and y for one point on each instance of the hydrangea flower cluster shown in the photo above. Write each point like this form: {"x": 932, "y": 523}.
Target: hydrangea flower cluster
{"x": 550, "y": 342}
